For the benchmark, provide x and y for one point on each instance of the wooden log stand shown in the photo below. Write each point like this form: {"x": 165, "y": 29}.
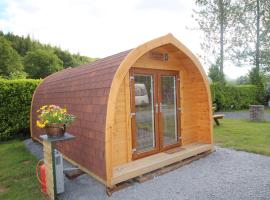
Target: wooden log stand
{"x": 49, "y": 161}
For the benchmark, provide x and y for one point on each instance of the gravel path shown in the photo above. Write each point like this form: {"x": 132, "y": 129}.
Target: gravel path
{"x": 242, "y": 115}
{"x": 225, "y": 174}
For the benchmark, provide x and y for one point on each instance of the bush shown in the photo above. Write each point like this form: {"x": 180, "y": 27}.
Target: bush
{"x": 15, "y": 102}
{"x": 234, "y": 97}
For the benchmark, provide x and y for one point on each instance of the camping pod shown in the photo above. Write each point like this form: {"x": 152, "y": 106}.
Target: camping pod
{"x": 137, "y": 111}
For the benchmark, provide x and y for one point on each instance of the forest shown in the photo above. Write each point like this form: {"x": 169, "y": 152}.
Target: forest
{"x": 22, "y": 57}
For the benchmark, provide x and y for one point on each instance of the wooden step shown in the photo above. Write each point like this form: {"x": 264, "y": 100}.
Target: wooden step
{"x": 154, "y": 162}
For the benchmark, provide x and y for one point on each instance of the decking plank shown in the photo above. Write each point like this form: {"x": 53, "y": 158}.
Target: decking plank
{"x": 148, "y": 164}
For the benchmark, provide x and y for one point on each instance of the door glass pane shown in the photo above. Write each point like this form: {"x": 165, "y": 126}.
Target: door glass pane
{"x": 144, "y": 103}
{"x": 168, "y": 110}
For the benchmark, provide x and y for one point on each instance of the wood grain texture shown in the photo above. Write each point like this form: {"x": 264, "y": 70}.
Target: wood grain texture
{"x": 191, "y": 105}
{"x": 195, "y": 93}
{"x": 99, "y": 95}
{"x": 47, "y": 148}
{"x": 151, "y": 163}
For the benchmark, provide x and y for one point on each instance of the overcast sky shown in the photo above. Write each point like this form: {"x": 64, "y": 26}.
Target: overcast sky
{"x": 99, "y": 28}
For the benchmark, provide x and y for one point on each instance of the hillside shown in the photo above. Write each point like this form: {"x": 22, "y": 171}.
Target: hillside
{"x": 22, "y": 57}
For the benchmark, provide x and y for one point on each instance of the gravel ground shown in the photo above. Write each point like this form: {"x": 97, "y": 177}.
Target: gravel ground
{"x": 242, "y": 115}
{"x": 225, "y": 174}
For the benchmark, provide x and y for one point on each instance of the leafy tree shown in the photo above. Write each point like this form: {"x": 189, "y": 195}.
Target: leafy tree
{"x": 251, "y": 32}
{"x": 66, "y": 57}
{"x": 214, "y": 19}
{"x": 41, "y": 63}
{"x": 10, "y": 61}
{"x": 70, "y": 60}
{"x": 215, "y": 74}
{"x": 243, "y": 80}
{"x": 20, "y": 44}
{"x": 256, "y": 77}
{"x": 24, "y": 44}
{"x": 240, "y": 27}
{"x": 78, "y": 59}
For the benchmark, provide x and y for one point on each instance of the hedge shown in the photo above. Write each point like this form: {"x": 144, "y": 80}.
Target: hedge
{"x": 16, "y": 96}
{"x": 233, "y": 97}
{"x": 15, "y": 102}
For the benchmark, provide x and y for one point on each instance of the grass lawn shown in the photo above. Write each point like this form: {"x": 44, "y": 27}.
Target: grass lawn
{"x": 244, "y": 135}
{"x": 266, "y": 110}
{"x": 17, "y": 173}
{"x": 17, "y": 165}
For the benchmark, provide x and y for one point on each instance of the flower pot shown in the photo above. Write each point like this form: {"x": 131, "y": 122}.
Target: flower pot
{"x": 55, "y": 130}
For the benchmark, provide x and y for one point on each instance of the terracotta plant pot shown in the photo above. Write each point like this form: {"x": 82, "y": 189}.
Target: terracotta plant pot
{"x": 55, "y": 130}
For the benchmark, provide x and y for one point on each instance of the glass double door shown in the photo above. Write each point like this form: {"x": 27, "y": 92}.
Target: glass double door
{"x": 154, "y": 111}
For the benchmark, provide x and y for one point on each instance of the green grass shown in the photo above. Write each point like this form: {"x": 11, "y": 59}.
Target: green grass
{"x": 17, "y": 173}
{"x": 17, "y": 165}
{"x": 244, "y": 135}
{"x": 266, "y": 110}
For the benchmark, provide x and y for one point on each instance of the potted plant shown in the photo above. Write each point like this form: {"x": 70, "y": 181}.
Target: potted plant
{"x": 54, "y": 119}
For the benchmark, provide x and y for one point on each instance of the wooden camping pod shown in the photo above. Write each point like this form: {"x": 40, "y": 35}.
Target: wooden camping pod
{"x": 100, "y": 94}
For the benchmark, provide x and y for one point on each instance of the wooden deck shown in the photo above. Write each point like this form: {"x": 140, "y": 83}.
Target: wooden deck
{"x": 144, "y": 165}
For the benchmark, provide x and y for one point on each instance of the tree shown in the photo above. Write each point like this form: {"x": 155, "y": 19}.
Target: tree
{"x": 21, "y": 44}
{"x": 215, "y": 74}
{"x": 221, "y": 20}
{"x": 243, "y": 80}
{"x": 214, "y": 18}
{"x": 10, "y": 61}
{"x": 13, "y": 48}
{"x": 41, "y": 63}
{"x": 24, "y": 44}
{"x": 250, "y": 40}
{"x": 251, "y": 32}
{"x": 66, "y": 57}
{"x": 258, "y": 78}
{"x": 79, "y": 60}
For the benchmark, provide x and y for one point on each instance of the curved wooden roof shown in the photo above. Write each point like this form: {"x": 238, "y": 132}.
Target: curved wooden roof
{"x": 84, "y": 91}
{"x": 89, "y": 92}
{"x": 129, "y": 60}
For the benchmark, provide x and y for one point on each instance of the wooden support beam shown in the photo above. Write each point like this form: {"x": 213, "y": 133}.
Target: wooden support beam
{"x": 49, "y": 168}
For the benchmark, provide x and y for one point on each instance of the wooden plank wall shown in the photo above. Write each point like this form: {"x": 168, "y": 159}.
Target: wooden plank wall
{"x": 194, "y": 104}
{"x": 120, "y": 137}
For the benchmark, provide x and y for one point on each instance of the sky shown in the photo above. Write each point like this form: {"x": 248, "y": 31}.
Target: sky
{"x": 99, "y": 28}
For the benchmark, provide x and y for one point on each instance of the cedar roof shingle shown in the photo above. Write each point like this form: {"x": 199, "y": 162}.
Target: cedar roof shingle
{"x": 84, "y": 91}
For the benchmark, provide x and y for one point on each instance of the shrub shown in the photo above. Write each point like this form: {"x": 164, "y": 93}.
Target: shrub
{"x": 233, "y": 97}
{"x": 15, "y": 102}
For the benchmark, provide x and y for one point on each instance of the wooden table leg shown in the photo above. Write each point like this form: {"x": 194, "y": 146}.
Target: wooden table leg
{"x": 216, "y": 120}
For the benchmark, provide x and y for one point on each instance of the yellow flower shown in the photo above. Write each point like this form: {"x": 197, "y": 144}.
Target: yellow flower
{"x": 40, "y": 124}
{"x": 46, "y": 122}
{"x": 64, "y": 110}
{"x": 38, "y": 110}
{"x": 43, "y": 107}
